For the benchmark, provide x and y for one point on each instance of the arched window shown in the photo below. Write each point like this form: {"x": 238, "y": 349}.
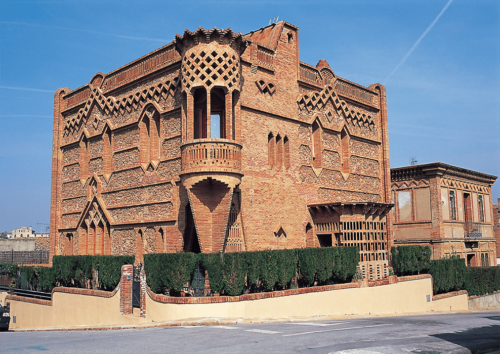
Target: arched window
{"x": 144, "y": 140}
{"x": 345, "y": 151}
{"x": 270, "y": 149}
{"x": 107, "y": 154}
{"x": 217, "y": 113}
{"x": 154, "y": 137}
{"x": 317, "y": 148}
{"x": 286, "y": 148}
{"x": 84, "y": 158}
{"x": 200, "y": 113}
{"x": 279, "y": 151}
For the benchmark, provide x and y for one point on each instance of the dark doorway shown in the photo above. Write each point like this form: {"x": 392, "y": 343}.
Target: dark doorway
{"x": 191, "y": 243}
{"x": 470, "y": 258}
{"x": 467, "y": 207}
{"x": 136, "y": 286}
{"x": 325, "y": 240}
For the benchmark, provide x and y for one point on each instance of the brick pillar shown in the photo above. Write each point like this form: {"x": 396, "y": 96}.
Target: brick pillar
{"x": 143, "y": 293}
{"x": 126, "y": 290}
{"x": 229, "y": 116}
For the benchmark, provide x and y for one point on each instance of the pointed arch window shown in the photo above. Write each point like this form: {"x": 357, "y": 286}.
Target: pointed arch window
{"x": 286, "y": 152}
{"x": 270, "y": 149}
{"x": 317, "y": 144}
{"x": 345, "y": 151}
{"x": 144, "y": 140}
{"x": 279, "y": 151}
{"x": 149, "y": 137}
{"x": 84, "y": 158}
{"x": 107, "y": 155}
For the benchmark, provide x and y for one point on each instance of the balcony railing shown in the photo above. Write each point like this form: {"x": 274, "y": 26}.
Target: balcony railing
{"x": 472, "y": 230}
{"x": 205, "y": 155}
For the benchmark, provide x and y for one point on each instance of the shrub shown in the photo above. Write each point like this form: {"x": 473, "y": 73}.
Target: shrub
{"x": 410, "y": 260}
{"x": 8, "y": 269}
{"x": 286, "y": 266}
{"x": 75, "y": 271}
{"x": 234, "y": 266}
{"x": 482, "y": 280}
{"x": 169, "y": 270}
{"x": 268, "y": 270}
{"x": 448, "y": 274}
{"x": 212, "y": 262}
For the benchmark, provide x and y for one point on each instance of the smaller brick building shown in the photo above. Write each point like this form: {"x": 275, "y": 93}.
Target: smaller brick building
{"x": 447, "y": 208}
{"x": 496, "y": 227}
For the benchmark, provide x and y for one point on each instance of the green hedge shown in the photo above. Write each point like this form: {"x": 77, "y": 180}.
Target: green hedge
{"x": 234, "y": 273}
{"x": 8, "y": 269}
{"x": 482, "y": 280}
{"x": 169, "y": 270}
{"x": 410, "y": 260}
{"x": 76, "y": 271}
{"x": 447, "y": 274}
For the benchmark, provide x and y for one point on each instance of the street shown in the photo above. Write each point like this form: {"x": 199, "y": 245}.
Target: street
{"x": 457, "y": 333}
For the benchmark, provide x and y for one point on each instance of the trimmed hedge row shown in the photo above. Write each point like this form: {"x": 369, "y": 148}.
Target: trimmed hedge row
{"x": 482, "y": 280}
{"x": 410, "y": 260}
{"x": 450, "y": 274}
{"x": 232, "y": 273}
{"x": 8, "y": 269}
{"x": 76, "y": 271}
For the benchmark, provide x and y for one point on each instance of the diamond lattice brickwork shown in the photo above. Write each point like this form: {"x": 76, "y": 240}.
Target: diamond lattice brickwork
{"x": 209, "y": 66}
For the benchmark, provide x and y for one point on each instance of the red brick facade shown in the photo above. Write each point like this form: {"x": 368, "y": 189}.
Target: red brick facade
{"x": 221, "y": 142}
{"x": 496, "y": 226}
{"x": 447, "y": 208}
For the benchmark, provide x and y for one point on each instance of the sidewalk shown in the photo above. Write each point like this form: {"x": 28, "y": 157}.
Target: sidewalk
{"x": 193, "y": 322}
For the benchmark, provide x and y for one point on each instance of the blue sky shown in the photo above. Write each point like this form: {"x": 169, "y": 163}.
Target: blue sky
{"x": 443, "y": 92}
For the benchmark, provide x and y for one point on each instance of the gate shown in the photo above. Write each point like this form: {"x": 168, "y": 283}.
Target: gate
{"x": 136, "y": 286}
{"x": 198, "y": 282}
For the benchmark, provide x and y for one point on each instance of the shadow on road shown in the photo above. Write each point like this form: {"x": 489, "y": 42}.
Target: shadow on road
{"x": 477, "y": 340}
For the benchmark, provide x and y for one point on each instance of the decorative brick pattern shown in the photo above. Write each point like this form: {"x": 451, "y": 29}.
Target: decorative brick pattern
{"x": 71, "y": 172}
{"x": 137, "y": 147}
{"x": 126, "y": 159}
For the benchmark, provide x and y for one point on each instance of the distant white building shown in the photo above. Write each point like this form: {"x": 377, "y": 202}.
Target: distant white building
{"x": 23, "y": 232}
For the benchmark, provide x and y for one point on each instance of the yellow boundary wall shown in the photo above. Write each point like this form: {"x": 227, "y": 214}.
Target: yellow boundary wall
{"x": 72, "y": 309}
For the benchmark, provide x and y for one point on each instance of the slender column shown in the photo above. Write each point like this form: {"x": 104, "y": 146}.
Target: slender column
{"x": 209, "y": 135}
{"x": 229, "y": 116}
{"x": 237, "y": 119}
{"x": 190, "y": 116}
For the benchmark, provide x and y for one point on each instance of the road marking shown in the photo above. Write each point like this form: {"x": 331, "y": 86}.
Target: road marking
{"x": 317, "y": 324}
{"x": 262, "y": 331}
{"x": 336, "y": 329}
{"x": 225, "y": 327}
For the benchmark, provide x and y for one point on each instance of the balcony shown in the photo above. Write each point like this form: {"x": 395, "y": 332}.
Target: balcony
{"x": 472, "y": 230}
{"x": 211, "y": 155}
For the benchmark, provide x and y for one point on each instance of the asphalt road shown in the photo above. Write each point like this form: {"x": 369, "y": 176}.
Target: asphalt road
{"x": 453, "y": 333}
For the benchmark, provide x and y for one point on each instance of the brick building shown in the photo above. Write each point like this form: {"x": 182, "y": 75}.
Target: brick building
{"x": 221, "y": 142}
{"x": 447, "y": 208}
{"x": 496, "y": 227}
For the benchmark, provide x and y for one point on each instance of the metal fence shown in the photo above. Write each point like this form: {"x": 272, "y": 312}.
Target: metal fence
{"x": 473, "y": 230}
{"x": 25, "y": 257}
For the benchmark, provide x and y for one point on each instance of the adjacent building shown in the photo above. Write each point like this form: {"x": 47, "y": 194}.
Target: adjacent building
{"x": 496, "y": 227}
{"x": 447, "y": 208}
{"x": 221, "y": 142}
{"x": 22, "y": 232}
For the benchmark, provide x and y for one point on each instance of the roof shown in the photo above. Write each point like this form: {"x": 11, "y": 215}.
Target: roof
{"x": 439, "y": 169}
{"x": 267, "y": 36}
